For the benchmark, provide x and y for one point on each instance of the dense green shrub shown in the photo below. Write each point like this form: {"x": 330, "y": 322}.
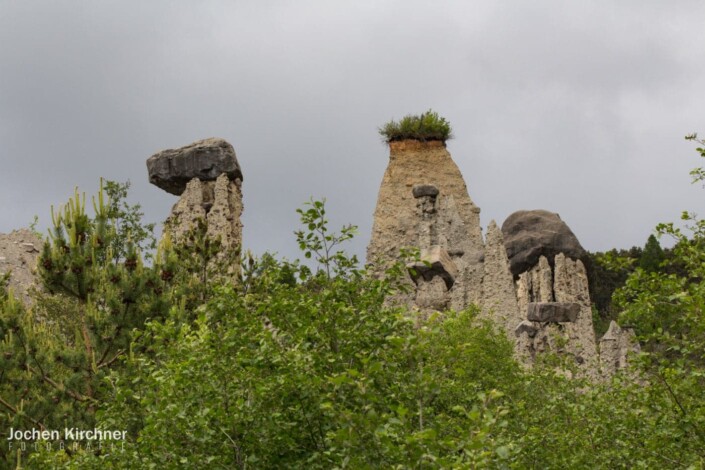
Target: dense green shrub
{"x": 425, "y": 127}
{"x": 294, "y": 367}
{"x": 56, "y": 355}
{"x": 316, "y": 373}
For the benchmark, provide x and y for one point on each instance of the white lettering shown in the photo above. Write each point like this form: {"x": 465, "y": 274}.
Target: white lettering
{"x": 32, "y": 435}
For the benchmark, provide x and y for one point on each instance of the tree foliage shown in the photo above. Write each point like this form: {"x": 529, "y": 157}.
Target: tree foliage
{"x": 293, "y": 367}
{"x": 303, "y": 369}
{"x": 653, "y": 255}
{"x": 57, "y": 356}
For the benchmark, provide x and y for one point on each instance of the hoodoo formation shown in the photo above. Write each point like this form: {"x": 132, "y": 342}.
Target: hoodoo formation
{"x": 528, "y": 278}
{"x": 207, "y": 177}
{"x": 423, "y": 203}
{"x": 538, "y": 294}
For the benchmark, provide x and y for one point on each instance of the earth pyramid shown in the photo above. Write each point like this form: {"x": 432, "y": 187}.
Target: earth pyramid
{"x": 207, "y": 177}
{"x": 423, "y": 203}
{"x": 538, "y": 296}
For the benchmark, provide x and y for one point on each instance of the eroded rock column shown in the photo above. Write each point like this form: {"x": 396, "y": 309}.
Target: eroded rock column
{"x": 207, "y": 177}
{"x": 423, "y": 203}
{"x": 552, "y": 289}
{"x": 499, "y": 299}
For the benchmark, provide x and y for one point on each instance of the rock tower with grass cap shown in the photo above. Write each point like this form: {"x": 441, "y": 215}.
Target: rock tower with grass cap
{"x": 538, "y": 294}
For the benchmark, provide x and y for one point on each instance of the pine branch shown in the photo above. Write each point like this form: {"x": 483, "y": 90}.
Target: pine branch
{"x": 111, "y": 361}
{"x": 18, "y": 413}
{"x": 75, "y": 395}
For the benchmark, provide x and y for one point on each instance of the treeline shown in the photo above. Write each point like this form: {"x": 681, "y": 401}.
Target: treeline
{"x": 608, "y": 271}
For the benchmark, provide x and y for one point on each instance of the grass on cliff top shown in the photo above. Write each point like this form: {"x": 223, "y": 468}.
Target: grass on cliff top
{"x": 425, "y": 127}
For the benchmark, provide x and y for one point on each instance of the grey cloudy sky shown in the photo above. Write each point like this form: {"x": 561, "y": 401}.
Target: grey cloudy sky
{"x": 575, "y": 107}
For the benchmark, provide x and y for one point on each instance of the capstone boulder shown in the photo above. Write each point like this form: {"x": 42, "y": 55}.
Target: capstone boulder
{"x": 528, "y": 235}
{"x": 205, "y": 159}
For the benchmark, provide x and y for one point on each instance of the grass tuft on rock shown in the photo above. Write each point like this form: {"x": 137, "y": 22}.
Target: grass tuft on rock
{"x": 426, "y": 127}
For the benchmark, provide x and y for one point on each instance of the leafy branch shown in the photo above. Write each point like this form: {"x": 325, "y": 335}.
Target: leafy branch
{"x": 319, "y": 241}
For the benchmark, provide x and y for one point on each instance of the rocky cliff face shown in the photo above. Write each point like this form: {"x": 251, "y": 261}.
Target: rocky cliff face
{"x": 557, "y": 314}
{"x": 527, "y": 278}
{"x": 617, "y": 344}
{"x": 499, "y": 300}
{"x": 19, "y": 251}
{"x": 217, "y": 202}
{"x": 423, "y": 203}
{"x": 207, "y": 176}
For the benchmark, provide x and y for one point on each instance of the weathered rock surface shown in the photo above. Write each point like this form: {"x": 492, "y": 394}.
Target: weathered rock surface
{"x": 19, "y": 251}
{"x": 431, "y": 295}
{"x": 554, "y": 312}
{"x": 218, "y": 202}
{"x": 527, "y": 277}
{"x": 526, "y": 327}
{"x": 566, "y": 282}
{"x": 421, "y": 190}
{"x": 434, "y": 261}
{"x": 616, "y": 346}
{"x": 205, "y": 159}
{"x": 407, "y": 217}
{"x": 499, "y": 300}
{"x": 528, "y": 235}
{"x": 571, "y": 285}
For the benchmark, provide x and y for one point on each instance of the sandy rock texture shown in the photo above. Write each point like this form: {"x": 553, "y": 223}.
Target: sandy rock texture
{"x": 499, "y": 299}
{"x": 19, "y": 251}
{"x": 528, "y": 277}
{"x": 423, "y": 202}
{"x": 565, "y": 286}
{"x": 207, "y": 177}
{"x": 218, "y": 202}
{"x": 616, "y": 347}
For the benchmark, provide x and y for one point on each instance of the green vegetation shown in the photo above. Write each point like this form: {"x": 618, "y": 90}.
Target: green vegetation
{"x": 96, "y": 291}
{"x": 294, "y": 367}
{"x": 609, "y": 271}
{"x": 652, "y": 256}
{"x": 425, "y": 127}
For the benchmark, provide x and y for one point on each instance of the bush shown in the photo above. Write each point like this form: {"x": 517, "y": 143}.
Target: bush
{"x": 428, "y": 126}
{"x": 302, "y": 369}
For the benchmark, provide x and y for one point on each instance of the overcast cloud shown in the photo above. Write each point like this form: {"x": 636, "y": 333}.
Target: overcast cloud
{"x": 574, "y": 107}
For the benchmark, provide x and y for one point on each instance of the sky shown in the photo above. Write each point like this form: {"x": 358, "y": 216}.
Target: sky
{"x": 578, "y": 108}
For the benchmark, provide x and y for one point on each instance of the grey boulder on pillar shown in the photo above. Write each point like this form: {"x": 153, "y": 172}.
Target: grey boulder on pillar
{"x": 205, "y": 159}
{"x": 528, "y": 235}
